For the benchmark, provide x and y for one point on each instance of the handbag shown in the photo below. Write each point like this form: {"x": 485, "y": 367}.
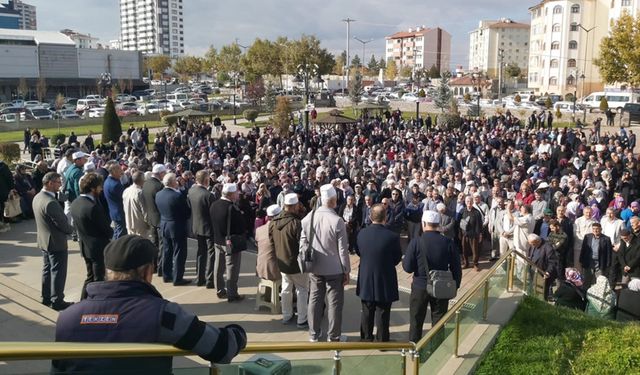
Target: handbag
{"x": 440, "y": 284}
{"x": 305, "y": 258}
{"x": 234, "y": 243}
{"x": 12, "y": 207}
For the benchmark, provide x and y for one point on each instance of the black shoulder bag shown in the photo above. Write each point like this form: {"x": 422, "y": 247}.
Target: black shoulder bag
{"x": 305, "y": 258}
{"x": 235, "y": 243}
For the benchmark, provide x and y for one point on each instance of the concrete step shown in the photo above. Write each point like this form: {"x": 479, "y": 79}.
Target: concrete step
{"x": 26, "y": 297}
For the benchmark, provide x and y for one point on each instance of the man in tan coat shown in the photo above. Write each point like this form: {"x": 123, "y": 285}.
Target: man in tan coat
{"x": 135, "y": 216}
{"x": 267, "y": 264}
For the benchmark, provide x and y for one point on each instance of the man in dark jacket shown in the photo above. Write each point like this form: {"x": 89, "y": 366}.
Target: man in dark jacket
{"x": 6, "y": 185}
{"x": 542, "y": 254}
{"x": 471, "y": 233}
{"x": 440, "y": 255}
{"x": 208, "y": 262}
{"x": 94, "y": 229}
{"x": 174, "y": 214}
{"x": 150, "y": 188}
{"x": 379, "y": 251}
{"x": 595, "y": 254}
{"x": 127, "y": 308}
{"x": 284, "y": 234}
{"x": 113, "y": 191}
{"x": 228, "y": 220}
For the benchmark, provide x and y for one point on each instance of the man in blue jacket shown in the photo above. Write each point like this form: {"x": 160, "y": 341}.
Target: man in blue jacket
{"x": 113, "y": 191}
{"x": 441, "y": 255}
{"x": 379, "y": 251}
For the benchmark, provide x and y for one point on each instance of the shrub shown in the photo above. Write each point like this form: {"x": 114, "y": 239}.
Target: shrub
{"x": 111, "y": 126}
{"x": 250, "y": 114}
{"x": 449, "y": 120}
{"x": 517, "y": 98}
{"x": 10, "y": 153}
{"x": 569, "y": 97}
{"x": 604, "y": 104}
{"x": 558, "y": 114}
{"x": 548, "y": 103}
{"x": 58, "y": 137}
{"x": 422, "y": 93}
{"x": 467, "y": 97}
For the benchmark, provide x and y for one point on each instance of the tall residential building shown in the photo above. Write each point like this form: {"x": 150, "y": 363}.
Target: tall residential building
{"x": 486, "y": 41}
{"x": 152, "y": 26}
{"x": 81, "y": 40}
{"x": 561, "y": 51}
{"x": 420, "y": 47}
{"x": 17, "y": 15}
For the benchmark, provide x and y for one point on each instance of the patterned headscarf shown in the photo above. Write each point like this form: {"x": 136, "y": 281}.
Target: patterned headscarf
{"x": 573, "y": 276}
{"x": 600, "y": 295}
{"x": 634, "y": 285}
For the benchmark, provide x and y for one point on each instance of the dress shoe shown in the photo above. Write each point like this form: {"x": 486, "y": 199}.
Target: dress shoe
{"x": 46, "y": 302}
{"x": 289, "y": 321}
{"x": 181, "y": 282}
{"x": 167, "y": 280}
{"x": 200, "y": 283}
{"x": 238, "y": 298}
{"x": 59, "y": 306}
{"x": 222, "y": 294}
{"x": 303, "y": 325}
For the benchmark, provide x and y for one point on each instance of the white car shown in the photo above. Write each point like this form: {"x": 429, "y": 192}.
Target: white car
{"x": 409, "y": 97}
{"x": 147, "y": 109}
{"x": 96, "y": 112}
{"x": 32, "y": 104}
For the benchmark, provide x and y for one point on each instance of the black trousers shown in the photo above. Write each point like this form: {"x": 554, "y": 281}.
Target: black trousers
{"x": 156, "y": 238}
{"x": 418, "y": 304}
{"x": 54, "y": 276}
{"x": 378, "y": 312}
{"x": 95, "y": 272}
{"x": 204, "y": 256}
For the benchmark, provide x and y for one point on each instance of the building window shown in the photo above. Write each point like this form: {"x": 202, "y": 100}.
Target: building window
{"x": 553, "y": 81}
{"x": 626, "y": 3}
{"x": 571, "y": 81}
{"x": 556, "y": 27}
{"x": 573, "y": 44}
{"x": 575, "y": 8}
{"x": 574, "y": 27}
{"x": 571, "y": 63}
{"x": 554, "y": 63}
{"x": 557, "y": 9}
{"x": 555, "y": 45}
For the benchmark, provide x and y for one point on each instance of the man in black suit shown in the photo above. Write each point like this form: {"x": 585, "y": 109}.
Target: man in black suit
{"x": 220, "y": 211}
{"x": 439, "y": 252}
{"x": 366, "y": 210}
{"x": 174, "y": 214}
{"x": 94, "y": 229}
{"x": 52, "y": 231}
{"x": 595, "y": 255}
{"x": 379, "y": 251}
{"x": 545, "y": 257}
{"x": 150, "y": 188}
{"x": 200, "y": 200}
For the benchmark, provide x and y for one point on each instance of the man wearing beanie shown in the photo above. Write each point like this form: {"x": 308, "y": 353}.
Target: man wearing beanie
{"x": 127, "y": 308}
{"x": 331, "y": 266}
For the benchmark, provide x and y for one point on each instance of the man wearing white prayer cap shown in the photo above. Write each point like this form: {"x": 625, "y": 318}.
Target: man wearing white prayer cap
{"x": 329, "y": 271}
{"x": 267, "y": 264}
{"x": 150, "y": 188}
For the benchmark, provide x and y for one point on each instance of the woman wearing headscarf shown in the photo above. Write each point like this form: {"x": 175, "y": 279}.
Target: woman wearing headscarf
{"x": 629, "y": 302}
{"x": 570, "y": 293}
{"x": 601, "y": 299}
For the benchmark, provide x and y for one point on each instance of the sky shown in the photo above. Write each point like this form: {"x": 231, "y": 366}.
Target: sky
{"x": 220, "y": 22}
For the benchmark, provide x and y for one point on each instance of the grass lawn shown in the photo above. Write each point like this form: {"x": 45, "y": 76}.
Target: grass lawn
{"x": 543, "y": 339}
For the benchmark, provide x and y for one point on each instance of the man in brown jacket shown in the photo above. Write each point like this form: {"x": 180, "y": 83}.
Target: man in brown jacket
{"x": 284, "y": 234}
{"x": 267, "y": 264}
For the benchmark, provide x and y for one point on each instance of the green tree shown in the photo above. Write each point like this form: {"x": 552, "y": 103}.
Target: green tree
{"x": 229, "y": 58}
{"x": 307, "y": 50}
{"x": 263, "y": 58}
{"x": 338, "y": 67}
{"x": 558, "y": 113}
{"x": 467, "y": 97}
{"x": 548, "y": 103}
{"x": 512, "y": 70}
{"x": 391, "y": 71}
{"x": 619, "y": 59}
{"x": 373, "y": 65}
{"x": 111, "y": 126}
{"x": 270, "y": 96}
{"x": 434, "y": 72}
{"x": 443, "y": 94}
{"x": 406, "y": 72}
{"x": 355, "y": 88}
{"x": 517, "y": 98}
{"x": 422, "y": 93}
{"x": 382, "y": 64}
{"x": 158, "y": 65}
{"x": 282, "y": 116}
{"x": 250, "y": 114}
{"x": 604, "y": 104}
{"x": 255, "y": 91}
{"x": 210, "y": 61}
{"x": 41, "y": 88}
{"x": 356, "y": 61}
{"x": 187, "y": 67}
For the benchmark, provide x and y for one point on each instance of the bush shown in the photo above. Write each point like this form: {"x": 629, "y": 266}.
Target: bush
{"x": 111, "y": 126}
{"x": 558, "y": 114}
{"x": 58, "y": 137}
{"x": 422, "y": 93}
{"x": 604, "y": 104}
{"x": 250, "y": 114}
{"x": 517, "y": 98}
{"x": 548, "y": 103}
{"x": 467, "y": 97}
{"x": 10, "y": 153}
{"x": 569, "y": 97}
{"x": 449, "y": 120}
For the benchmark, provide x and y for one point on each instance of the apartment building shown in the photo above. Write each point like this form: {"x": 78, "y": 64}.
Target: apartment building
{"x": 420, "y": 47}
{"x": 490, "y": 37}
{"x": 152, "y": 26}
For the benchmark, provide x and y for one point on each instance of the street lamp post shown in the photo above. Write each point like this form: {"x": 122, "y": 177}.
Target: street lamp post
{"x": 364, "y": 44}
{"x": 475, "y": 80}
{"x": 584, "y": 69}
{"x": 235, "y": 76}
{"x": 304, "y": 75}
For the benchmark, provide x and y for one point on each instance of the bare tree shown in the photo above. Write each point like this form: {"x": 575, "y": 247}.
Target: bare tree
{"x": 23, "y": 88}
{"x": 41, "y": 88}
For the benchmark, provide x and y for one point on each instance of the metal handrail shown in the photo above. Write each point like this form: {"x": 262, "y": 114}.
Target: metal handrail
{"x": 529, "y": 262}
{"x": 25, "y": 350}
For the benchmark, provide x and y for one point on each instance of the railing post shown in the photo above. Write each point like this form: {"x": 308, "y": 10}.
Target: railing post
{"x": 337, "y": 364}
{"x": 485, "y": 304}
{"x": 457, "y": 333}
{"x": 525, "y": 279}
{"x": 535, "y": 282}
{"x": 415, "y": 361}
{"x": 213, "y": 369}
{"x": 403, "y": 364}
{"x": 510, "y": 272}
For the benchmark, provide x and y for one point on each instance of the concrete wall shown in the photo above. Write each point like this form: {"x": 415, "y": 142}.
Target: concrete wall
{"x": 121, "y": 64}
{"x": 19, "y": 61}
{"x": 58, "y": 61}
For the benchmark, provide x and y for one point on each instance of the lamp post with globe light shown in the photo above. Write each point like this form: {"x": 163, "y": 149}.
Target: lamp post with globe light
{"x": 306, "y": 73}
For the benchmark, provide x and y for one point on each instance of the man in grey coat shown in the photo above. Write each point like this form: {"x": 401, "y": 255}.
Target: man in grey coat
{"x": 447, "y": 224}
{"x": 200, "y": 200}
{"x": 331, "y": 266}
{"x": 52, "y": 231}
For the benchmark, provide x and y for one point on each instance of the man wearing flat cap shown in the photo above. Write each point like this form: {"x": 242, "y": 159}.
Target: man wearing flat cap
{"x": 127, "y": 308}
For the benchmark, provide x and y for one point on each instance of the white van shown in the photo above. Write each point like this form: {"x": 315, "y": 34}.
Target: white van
{"x": 564, "y": 107}
{"x": 84, "y": 104}
{"x": 177, "y": 97}
{"x": 615, "y": 99}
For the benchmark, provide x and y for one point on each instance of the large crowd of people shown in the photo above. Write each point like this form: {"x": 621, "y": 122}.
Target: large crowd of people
{"x": 566, "y": 198}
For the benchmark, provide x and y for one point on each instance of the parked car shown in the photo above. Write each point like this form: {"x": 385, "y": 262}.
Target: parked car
{"x": 9, "y": 117}
{"x": 66, "y": 114}
{"x": 125, "y": 112}
{"x": 409, "y": 97}
{"x": 633, "y": 111}
{"x": 40, "y": 114}
{"x": 32, "y": 104}
{"x": 149, "y": 108}
{"x": 95, "y": 112}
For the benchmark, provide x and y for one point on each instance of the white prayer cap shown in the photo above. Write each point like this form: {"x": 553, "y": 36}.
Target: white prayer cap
{"x": 78, "y": 155}
{"x": 89, "y": 167}
{"x": 441, "y": 207}
{"x": 229, "y": 188}
{"x": 273, "y": 210}
{"x": 291, "y": 199}
{"x": 431, "y": 217}
{"x": 159, "y": 168}
{"x": 327, "y": 192}
{"x": 533, "y": 237}
{"x": 246, "y": 158}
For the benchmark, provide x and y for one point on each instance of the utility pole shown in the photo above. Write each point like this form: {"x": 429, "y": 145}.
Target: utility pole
{"x": 584, "y": 70}
{"x": 364, "y": 44}
{"x": 348, "y": 62}
{"x": 501, "y": 57}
